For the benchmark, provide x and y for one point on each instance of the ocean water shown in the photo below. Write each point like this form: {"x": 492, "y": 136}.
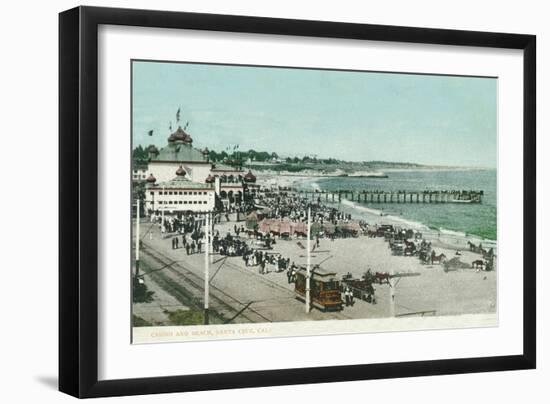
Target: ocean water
{"x": 478, "y": 220}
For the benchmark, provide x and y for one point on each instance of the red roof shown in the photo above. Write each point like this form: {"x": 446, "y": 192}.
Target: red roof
{"x": 209, "y": 179}
{"x": 249, "y": 176}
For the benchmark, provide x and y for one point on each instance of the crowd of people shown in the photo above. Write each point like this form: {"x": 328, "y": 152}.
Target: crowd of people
{"x": 180, "y": 224}
{"x": 229, "y": 245}
{"x": 191, "y": 242}
{"x": 295, "y": 208}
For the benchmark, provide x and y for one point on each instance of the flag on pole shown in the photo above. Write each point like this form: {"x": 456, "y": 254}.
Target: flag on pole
{"x": 150, "y": 132}
{"x": 178, "y": 115}
{"x": 186, "y": 125}
{"x": 170, "y": 125}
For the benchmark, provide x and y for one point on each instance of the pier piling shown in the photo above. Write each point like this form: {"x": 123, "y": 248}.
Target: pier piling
{"x": 377, "y": 196}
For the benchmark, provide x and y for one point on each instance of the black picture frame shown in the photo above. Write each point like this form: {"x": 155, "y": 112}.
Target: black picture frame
{"x": 78, "y": 196}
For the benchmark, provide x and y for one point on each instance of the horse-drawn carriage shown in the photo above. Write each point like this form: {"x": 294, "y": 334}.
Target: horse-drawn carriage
{"x": 384, "y": 230}
{"x": 362, "y": 288}
{"x": 398, "y": 247}
{"x": 410, "y": 248}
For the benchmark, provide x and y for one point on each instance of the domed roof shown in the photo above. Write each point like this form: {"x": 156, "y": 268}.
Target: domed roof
{"x": 151, "y": 179}
{"x": 180, "y": 135}
{"x": 180, "y": 172}
{"x": 249, "y": 176}
{"x": 209, "y": 179}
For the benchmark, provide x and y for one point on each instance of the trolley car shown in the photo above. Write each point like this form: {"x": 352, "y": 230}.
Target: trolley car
{"x": 324, "y": 289}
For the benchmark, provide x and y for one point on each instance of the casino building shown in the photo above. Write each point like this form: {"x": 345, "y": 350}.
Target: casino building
{"x": 197, "y": 180}
{"x": 178, "y": 195}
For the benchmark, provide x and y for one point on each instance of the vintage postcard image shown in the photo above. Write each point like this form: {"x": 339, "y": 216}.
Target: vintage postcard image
{"x": 281, "y": 201}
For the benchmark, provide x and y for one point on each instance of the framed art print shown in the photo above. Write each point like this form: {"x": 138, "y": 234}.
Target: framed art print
{"x": 250, "y": 201}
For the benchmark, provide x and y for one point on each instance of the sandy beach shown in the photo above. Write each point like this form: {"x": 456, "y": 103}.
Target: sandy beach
{"x": 430, "y": 289}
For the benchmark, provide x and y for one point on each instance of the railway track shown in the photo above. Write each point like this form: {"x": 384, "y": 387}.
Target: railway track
{"x": 274, "y": 285}
{"x": 188, "y": 288}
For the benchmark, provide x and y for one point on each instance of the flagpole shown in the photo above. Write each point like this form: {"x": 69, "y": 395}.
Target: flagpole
{"x": 308, "y": 265}
{"x": 162, "y": 218}
{"x": 392, "y": 293}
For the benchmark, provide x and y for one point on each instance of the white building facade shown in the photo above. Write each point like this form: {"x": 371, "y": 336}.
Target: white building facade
{"x": 179, "y": 195}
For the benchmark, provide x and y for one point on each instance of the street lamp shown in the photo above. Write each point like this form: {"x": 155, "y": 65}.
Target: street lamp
{"x": 206, "y": 268}
{"x": 137, "y": 237}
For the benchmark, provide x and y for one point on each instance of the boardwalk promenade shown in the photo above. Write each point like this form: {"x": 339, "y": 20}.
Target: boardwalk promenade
{"x": 240, "y": 294}
{"x": 237, "y": 293}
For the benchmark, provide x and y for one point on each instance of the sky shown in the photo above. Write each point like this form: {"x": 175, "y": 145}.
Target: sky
{"x": 353, "y": 116}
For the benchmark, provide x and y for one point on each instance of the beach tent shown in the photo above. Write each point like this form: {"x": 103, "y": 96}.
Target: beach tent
{"x": 252, "y": 220}
{"x": 329, "y": 228}
{"x": 275, "y": 227}
{"x": 352, "y": 226}
{"x": 285, "y": 228}
{"x": 264, "y": 226}
{"x": 316, "y": 228}
{"x": 299, "y": 227}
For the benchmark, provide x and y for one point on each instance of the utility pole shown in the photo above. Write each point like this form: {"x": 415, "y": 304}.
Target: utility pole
{"x": 206, "y": 267}
{"x": 137, "y": 238}
{"x": 162, "y": 217}
{"x": 308, "y": 265}
{"x": 392, "y": 293}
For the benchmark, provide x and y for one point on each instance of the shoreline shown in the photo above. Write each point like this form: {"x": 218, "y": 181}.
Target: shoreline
{"x": 373, "y": 215}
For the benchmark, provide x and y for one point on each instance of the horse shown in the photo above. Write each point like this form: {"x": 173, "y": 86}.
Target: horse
{"x": 438, "y": 258}
{"x": 382, "y": 277}
{"x": 371, "y": 233}
{"x": 424, "y": 257}
{"x": 472, "y": 246}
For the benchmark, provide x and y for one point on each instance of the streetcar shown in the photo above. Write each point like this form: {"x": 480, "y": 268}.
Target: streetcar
{"x": 324, "y": 289}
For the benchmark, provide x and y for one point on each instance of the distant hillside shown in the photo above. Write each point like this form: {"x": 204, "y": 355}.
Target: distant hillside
{"x": 264, "y": 160}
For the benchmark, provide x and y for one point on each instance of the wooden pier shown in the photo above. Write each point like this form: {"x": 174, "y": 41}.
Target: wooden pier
{"x": 375, "y": 196}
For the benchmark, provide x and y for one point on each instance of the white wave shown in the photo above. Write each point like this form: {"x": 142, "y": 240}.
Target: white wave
{"x": 396, "y": 220}
{"x": 386, "y": 218}
{"x": 361, "y": 208}
{"x": 452, "y": 232}
{"x": 315, "y": 186}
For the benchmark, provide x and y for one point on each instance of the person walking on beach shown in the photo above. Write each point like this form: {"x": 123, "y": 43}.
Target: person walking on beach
{"x": 348, "y": 296}
{"x": 187, "y": 248}
{"x": 262, "y": 267}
